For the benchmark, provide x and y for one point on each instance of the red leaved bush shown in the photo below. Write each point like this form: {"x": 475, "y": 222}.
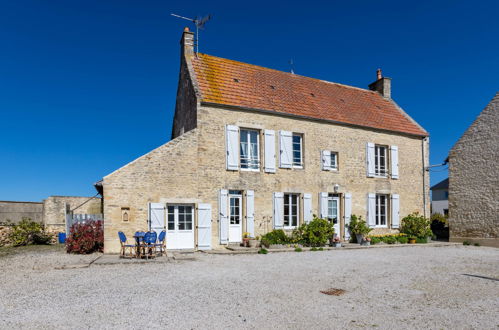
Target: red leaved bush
{"x": 85, "y": 238}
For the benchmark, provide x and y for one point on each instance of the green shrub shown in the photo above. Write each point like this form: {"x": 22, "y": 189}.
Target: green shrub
{"x": 314, "y": 249}
{"x": 476, "y": 244}
{"x": 421, "y": 240}
{"x": 390, "y": 240}
{"x": 263, "y": 251}
{"x": 402, "y": 239}
{"x": 298, "y": 249}
{"x": 317, "y": 232}
{"x": 358, "y": 226}
{"x": 321, "y": 249}
{"x": 416, "y": 225}
{"x": 28, "y": 232}
{"x": 375, "y": 240}
{"x": 276, "y": 236}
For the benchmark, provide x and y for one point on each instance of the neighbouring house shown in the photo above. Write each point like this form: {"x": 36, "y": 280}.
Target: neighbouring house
{"x": 474, "y": 180}
{"x": 440, "y": 198}
{"x": 254, "y": 149}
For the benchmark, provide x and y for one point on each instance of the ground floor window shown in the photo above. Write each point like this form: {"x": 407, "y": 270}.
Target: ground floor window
{"x": 180, "y": 217}
{"x": 381, "y": 210}
{"x": 291, "y": 210}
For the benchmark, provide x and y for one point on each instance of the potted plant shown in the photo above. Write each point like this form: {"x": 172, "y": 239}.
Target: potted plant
{"x": 246, "y": 238}
{"x": 336, "y": 242}
{"x": 253, "y": 242}
{"x": 359, "y": 228}
{"x": 366, "y": 241}
{"x": 412, "y": 240}
{"x": 416, "y": 226}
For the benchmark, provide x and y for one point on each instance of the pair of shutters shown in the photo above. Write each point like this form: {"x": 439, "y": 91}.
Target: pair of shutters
{"x": 285, "y": 149}
{"x": 223, "y": 207}
{"x": 157, "y": 222}
{"x": 370, "y": 159}
{"x": 371, "y": 210}
{"x": 278, "y": 206}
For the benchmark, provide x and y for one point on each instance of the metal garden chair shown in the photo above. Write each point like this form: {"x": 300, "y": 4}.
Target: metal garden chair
{"x": 149, "y": 243}
{"x": 125, "y": 247}
{"x": 161, "y": 243}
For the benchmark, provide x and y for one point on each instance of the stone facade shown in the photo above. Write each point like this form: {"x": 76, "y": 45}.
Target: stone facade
{"x": 55, "y": 207}
{"x": 474, "y": 180}
{"x": 14, "y": 212}
{"x": 191, "y": 169}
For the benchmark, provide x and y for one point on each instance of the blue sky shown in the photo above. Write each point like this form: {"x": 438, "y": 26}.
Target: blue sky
{"x": 88, "y": 86}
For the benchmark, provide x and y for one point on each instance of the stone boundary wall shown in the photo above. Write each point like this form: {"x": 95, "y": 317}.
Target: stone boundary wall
{"x": 14, "y": 212}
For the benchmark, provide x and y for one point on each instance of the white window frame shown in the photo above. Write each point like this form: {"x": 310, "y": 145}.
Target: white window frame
{"x": 176, "y": 216}
{"x": 377, "y": 216}
{"x": 336, "y": 166}
{"x": 377, "y": 164}
{"x": 296, "y": 165}
{"x": 288, "y": 200}
{"x": 247, "y": 131}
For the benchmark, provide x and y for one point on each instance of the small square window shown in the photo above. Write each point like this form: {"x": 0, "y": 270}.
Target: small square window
{"x": 334, "y": 161}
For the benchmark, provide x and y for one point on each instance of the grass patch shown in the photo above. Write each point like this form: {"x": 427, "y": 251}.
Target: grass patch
{"x": 298, "y": 249}
{"x": 263, "y": 251}
{"x": 6, "y": 251}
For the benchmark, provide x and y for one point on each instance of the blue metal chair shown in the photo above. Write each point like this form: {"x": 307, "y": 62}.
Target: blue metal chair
{"x": 125, "y": 246}
{"x": 161, "y": 242}
{"x": 149, "y": 242}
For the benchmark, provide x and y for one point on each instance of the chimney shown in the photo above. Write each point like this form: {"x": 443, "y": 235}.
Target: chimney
{"x": 382, "y": 85}
{"x": 187, "y": 43}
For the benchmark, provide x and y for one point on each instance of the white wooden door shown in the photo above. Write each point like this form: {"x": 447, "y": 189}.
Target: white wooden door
{"x": 235, "y": 218}
{"x": 333, "y": 212}
{"x": 180, "y": 229}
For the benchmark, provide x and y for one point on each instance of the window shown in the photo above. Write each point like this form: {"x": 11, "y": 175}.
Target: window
{"x": 180, "y": 217}
{"x": 334, "y": 161}
{"x": 250, "y": 155}
{"x": 446, "y": 195}
{"x": 380, "y": 161}
{"x": 291, "y": 208}
{"x": 332, "y": 208}
{"x": 297, "y": 150}
{"x": 381, "y": 210}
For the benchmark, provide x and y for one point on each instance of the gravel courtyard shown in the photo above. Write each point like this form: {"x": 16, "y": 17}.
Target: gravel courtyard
{"x": 386, "y": 288}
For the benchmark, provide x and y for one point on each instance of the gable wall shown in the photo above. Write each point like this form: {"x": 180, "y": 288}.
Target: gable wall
{"x": 474, "y": 180}
{"x": 166, "y": 173}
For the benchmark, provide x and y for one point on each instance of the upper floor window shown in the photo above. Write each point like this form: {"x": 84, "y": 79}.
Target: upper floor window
{"x": 250, "y": 155}
{"x": 380, "y": 160}
{"x": 334, "y": 161}
{"x": 297, "y": 150}
{"x": 291, "y": 210}
{"x": 329, "y": 160}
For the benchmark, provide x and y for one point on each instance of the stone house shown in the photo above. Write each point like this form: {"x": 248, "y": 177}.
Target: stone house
{"x": 440, "y": 197}
{"x": 474, "y": 180}
{"x": 255, "y": 149}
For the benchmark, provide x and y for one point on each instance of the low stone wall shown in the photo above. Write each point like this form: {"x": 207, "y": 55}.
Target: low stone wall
{"x": 4, "y": 235}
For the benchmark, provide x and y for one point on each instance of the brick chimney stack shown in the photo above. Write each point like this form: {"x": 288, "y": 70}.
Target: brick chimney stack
{"x": 382, "y": 85}
{"x": 187, "y": 42}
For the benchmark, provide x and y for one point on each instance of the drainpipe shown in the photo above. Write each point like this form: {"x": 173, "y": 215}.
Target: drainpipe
{"x": 424, "y": 176}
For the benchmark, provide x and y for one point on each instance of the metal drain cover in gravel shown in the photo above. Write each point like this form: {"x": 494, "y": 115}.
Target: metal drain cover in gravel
{"x": 333, "y": 292}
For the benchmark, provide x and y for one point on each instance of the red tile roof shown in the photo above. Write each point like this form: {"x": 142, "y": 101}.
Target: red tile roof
{"x": 233, "y": 83}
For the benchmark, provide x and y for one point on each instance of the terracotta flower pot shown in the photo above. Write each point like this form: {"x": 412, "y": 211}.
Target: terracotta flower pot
{"x": 412, "y": 241}
{"x": 246, "y": 242}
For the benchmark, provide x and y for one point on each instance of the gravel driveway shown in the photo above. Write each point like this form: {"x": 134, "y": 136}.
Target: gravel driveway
{"x": 386, "y": 288}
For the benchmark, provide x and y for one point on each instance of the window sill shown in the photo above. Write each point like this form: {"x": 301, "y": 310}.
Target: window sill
{"x": 299, "y": 167}
{"x": 250, "y": 170}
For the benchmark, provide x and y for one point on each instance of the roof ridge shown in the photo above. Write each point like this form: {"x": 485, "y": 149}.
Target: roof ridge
{"x": 290, "y": 74}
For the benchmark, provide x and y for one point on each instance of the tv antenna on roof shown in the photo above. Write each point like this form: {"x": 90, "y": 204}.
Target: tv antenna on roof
{"x": 199, "y": 22}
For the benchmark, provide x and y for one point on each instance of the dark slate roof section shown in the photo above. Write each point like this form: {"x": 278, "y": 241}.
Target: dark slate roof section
{"x": 444, "y": 184}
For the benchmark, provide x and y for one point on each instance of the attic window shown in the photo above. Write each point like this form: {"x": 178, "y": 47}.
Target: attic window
{"x": 312, "y": 94}
{"x": 342, "y": 100}
{"x": 378, "y": 107}
{"x": 236, "y": 80}
{"x": 271, "y": 86}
